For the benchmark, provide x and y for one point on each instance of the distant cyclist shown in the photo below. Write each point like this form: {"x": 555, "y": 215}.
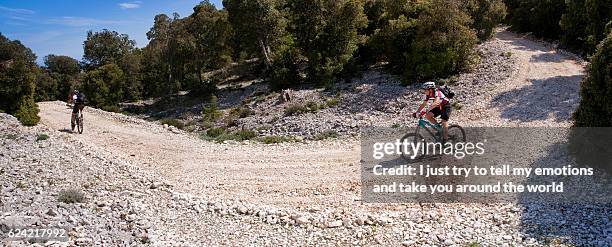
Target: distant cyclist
{"x": 439, "y": 107}
{"x": 78, "y": 101}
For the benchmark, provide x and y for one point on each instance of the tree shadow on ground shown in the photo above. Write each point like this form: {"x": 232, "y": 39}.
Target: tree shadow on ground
{"x": 548, "y": 57}
{"x": 521, "y": 41}
{"x": 577, "y": 217}
{"x": 181, "y": 104}
{"x": 554, "y": 97}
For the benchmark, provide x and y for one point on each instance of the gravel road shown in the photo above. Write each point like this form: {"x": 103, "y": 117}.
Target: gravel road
{"x": 308, "y": 193}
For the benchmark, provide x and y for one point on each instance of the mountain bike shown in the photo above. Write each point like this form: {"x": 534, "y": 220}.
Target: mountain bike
{"x": 78, "y": 121}
{"x": 434, "y": 133}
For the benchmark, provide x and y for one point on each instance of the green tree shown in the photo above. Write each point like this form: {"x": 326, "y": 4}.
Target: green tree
{"x": 210, "y": 32}
{"x": 46, "y": 86}
{"x": 182, "y": 52}
{"x": 131, "y": 66}
{"x": 541, "y": 17}
{"x": 584, "y": 24}
{"x": 156, "y": 58}
{"x": 375, "y": 12}
{"x": 393, "y": 39}
{"x": 486, "y": 15}
{"x": 18, "y": 81}
{"x": 327, "y": 34}
{"x": 104, "y": 86}
{"x": 105, "y": 47}
{"x": 590, "y": 146}
{"x": 444, "y": 43}
{"x": 109, "y": 47}
{"x": 59, "y": 75}
{"x": 258, "y": 25}
{"x": 64, "y": 65}
{"x": 595, "y": 109}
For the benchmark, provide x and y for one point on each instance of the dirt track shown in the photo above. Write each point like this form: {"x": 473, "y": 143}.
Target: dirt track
{"x": 544, "y": 91}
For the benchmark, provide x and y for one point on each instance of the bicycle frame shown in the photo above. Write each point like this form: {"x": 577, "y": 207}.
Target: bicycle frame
{"x": 427, "y": 126}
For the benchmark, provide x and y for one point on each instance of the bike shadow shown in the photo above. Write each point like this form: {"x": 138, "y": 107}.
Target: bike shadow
{"x": 66, "y": 131}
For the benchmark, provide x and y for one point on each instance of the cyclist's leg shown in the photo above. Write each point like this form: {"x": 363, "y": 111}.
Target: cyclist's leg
{"x": 431, "y": 115}
{"x": 81, "y": 107}
{"x": 445, "y": 115}
{"x": 75, "y": 111}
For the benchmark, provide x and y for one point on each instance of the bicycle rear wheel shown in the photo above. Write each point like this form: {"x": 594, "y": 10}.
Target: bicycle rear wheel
{"x": 80, "y": 124}
{"x": 456, "y": 134}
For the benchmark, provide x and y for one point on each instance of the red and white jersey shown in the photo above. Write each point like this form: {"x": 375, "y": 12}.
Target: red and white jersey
{"x": 438, "y": 94}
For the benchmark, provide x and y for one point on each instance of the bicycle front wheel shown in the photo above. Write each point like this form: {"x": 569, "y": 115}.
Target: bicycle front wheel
{"x": 411, "y": 139}
{"x": 80, "y": 124}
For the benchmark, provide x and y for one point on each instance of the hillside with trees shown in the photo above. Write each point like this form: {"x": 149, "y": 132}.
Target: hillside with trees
{"x": 291, "y": 44}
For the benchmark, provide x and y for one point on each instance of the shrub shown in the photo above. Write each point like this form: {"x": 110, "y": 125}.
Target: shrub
{"x": 443, "y": 44}
{"x": 21, "y": 185}
{"x": 41, "y": 137}
{"x": 457, "y": 106}
{"x": 486, "y": 14}
{"x": 584, "y": 24}
{"x": 540, "y": 17}
{"x": 27, "y": 112}
{"x": 18, "y": 81}
{"x": 215, "y": 132}
{"x": 590, "y": 146}
{"x": 207, "y": 125}
{"x": 295, "y": 110}
{"x": 241, "y": 112}
{"x": 243, "y": 135}
{"x": 111, "y": 108}
{"x": 236, "y": 113}
{"x": 173, "y": 122}
{"x": 284, "y": 72}
{"x": 595, "y": 109}
{"x": 210, "y": 113}
{"x": 326, "y": 135}
{"x": 71, "y": 196}
{"x": 275, "y": 139}
{"x": 332, "y": 102}
{"x": 473, "y": 244}
{"x": 190, "y": 128}
{"x": 220, "y": 135}
{"x": 312, "y": 106}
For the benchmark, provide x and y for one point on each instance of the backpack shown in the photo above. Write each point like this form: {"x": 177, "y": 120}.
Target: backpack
{"x": 446, "y": 91}
{"x": 80, "y": 98}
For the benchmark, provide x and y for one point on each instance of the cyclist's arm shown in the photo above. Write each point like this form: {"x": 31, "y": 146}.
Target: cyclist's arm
{"x": 435, "y": 104}
{"x": 422, "y": 106}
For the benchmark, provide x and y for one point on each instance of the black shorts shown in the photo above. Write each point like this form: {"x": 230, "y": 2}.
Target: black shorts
{"x": 444, "y": 113}
{"x": 77, "y": 107}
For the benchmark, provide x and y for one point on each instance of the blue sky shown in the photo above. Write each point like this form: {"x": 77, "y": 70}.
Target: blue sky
{"x": 60, "y": 26}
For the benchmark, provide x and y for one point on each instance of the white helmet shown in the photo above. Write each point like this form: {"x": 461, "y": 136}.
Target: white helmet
{"x": 428, "y": 85}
